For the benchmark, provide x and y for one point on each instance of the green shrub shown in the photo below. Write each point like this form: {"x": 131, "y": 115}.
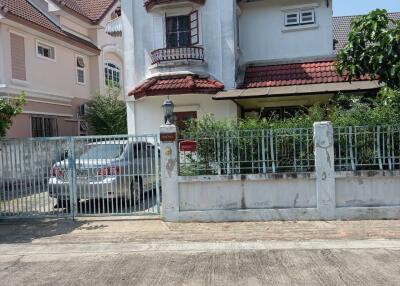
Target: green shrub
{"x": 344, "y": 110}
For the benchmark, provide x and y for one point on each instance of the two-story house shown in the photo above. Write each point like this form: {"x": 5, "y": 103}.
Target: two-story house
{"x": 59, "y": 53}
{"x": 231, "y": 58}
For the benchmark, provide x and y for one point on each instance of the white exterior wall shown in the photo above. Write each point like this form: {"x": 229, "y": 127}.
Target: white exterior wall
{"x": 263, "y": 36}
{"x": 144, "y": 32}
{"x": 149, "y": 115}
{"x": 111, "y": 50}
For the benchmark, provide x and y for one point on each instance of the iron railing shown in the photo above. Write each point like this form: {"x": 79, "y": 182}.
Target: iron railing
{"x": 367, "y": 148}
{"x": 79, "y": 176}
{"x": 175, "y": 54}
{"x": 248, "y": 152}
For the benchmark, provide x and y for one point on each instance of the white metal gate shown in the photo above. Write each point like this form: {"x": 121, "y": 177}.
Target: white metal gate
{"x": 80, "y": 176}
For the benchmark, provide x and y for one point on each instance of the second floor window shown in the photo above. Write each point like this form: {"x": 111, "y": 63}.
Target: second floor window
{"x": 182, "y": 31}
{"x": 112, "y": 75}
{"x": 80, "y": 70}
{"x": 45, "y": 51}
{"x": 301, "y": 17}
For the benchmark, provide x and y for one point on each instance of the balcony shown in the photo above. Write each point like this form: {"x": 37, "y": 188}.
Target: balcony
{"x": 154, "y": 4}
{"x": 170, "y": 55}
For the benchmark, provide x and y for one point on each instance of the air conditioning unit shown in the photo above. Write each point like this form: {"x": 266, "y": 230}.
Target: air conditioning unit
{"x": 83, "y": 109}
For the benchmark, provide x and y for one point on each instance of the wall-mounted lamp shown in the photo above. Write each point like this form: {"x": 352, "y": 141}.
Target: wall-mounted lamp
{"x": 168, "y": 108}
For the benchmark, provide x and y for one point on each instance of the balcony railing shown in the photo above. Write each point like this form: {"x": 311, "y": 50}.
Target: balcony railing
{"x": 176, "y": 54}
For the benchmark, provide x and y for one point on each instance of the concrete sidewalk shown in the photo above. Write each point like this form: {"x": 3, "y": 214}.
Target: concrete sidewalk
{"x": 151, "y": 252}
{"x": 109, "y": 231}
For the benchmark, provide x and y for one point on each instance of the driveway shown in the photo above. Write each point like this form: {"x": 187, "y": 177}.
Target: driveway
{"x": 151, "y": 252}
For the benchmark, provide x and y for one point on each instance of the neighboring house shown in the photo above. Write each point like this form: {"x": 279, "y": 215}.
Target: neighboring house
{"x": 229, "y": 58}
{"x": 59, "y": 54}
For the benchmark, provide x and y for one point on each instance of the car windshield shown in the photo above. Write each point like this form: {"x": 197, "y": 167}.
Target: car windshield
{"x": 104, "y": 151}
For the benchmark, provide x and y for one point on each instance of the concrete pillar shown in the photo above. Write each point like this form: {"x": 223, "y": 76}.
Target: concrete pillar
{"x": 325, "y": 169}
{"x": 169, "y": 172}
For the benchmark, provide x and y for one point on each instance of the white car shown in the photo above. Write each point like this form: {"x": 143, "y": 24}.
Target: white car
{"x": 107, "y": 170}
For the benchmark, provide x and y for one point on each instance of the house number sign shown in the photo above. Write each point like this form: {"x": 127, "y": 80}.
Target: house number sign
{"x": 167, "y": 137}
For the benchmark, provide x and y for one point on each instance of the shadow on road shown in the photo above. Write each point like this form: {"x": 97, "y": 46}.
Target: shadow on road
{"x": 15, "y": 231}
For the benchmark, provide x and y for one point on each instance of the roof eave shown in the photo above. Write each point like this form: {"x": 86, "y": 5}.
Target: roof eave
{"x": 295, "y": 90}
{"x": 42, "y": 29}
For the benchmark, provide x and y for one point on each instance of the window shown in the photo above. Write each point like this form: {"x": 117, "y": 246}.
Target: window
{"x": 182, "y": 31}
{"x": 181, "y": 119}
{"x": 45, "y": 51}
{"x": 307, "y": 17}
{"x": 80, "y": 70}
{"x": 301, "y": 17}
{"x": 44, "y": 126}
{"x": 112, "y": 75}
{"x": 292, "y": 19}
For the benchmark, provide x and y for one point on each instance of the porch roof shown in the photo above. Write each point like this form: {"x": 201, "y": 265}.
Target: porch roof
{"x": 297, "y": 90}
{"x": 177, "y": 84}
{"x": 295, "y": 78}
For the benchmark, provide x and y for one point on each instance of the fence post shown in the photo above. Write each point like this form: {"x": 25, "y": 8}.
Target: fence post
{"x": 169, "y": 172}
{"x": 71, "y": 178}
{"x": 325, "y": 169}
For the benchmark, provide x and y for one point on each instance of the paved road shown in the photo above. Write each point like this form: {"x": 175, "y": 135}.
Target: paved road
{"x": 156, "y": 253}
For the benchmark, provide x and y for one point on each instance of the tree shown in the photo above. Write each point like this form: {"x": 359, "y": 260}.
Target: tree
{"x": 107, "y": 114}
{"x": 8, "y": 109}
{"x": 373, "y": 49}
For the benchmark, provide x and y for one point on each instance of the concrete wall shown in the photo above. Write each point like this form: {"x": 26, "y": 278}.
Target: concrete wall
{"x": 264, "y": 37}
{"x": 321, "y": 195}
{"x": 246, "y": 192}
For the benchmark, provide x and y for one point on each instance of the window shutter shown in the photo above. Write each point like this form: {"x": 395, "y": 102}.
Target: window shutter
{"x": 194, "y": 28}
{"x": 17, "y": 57}
{"x": 307, "y": 17}
{"x": 292, "y": 18}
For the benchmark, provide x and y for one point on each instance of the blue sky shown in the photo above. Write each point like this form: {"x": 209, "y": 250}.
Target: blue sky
{"x": 355, "y": 7}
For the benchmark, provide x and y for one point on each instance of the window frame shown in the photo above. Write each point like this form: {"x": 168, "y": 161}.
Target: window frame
{"x": 193, "y": 31}
{"x": 54, "y": 127}
{"x": 177, "y": 32}
{"x": 302, "y": 22}
{"x": 116, "y": 69}
{"x": 45, "y": 44}
{"x": 194, "y": 28}
{"x": 299, "y": 13}
{"x": 77, "y": 69}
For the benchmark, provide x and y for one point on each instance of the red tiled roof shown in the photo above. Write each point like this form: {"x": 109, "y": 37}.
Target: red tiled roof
{"x": 292, "y": 74}
{"x": 23, "y": 12}
{"x": 93, "y": 10}
{"x": 177, "y": 84}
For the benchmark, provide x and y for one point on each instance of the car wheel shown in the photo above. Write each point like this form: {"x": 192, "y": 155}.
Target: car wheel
{"x": 136, "y": 190}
